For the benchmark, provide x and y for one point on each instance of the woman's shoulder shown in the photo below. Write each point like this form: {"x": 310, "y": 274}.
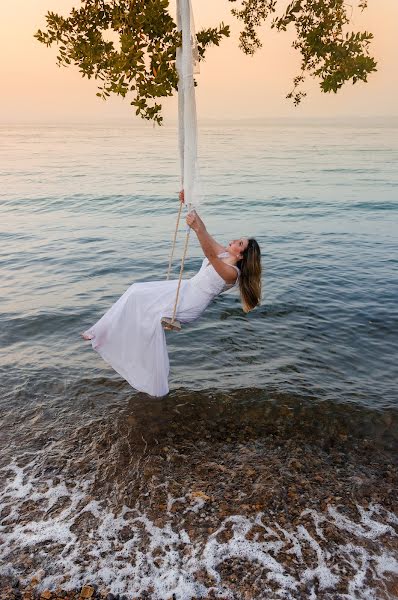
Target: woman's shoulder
{"x": 226, "y": 262}
{"x": 220, "y": 255}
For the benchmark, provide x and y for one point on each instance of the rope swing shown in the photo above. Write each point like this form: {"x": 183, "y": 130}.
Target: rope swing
{"x": 187, "y": 64}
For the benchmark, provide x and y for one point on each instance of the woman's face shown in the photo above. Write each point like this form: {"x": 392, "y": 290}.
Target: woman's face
{"x": 237, "y": 247}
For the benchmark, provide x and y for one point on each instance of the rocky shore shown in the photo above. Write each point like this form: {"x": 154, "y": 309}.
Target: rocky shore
{"x": 87, "y": 592}
{"x": 213, "y": 497}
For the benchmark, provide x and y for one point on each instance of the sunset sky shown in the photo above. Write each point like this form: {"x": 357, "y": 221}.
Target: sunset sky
{"x": 231, "y": 84}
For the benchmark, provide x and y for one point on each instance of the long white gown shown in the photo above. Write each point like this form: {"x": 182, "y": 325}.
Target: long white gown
{"x": 130, "y": 336}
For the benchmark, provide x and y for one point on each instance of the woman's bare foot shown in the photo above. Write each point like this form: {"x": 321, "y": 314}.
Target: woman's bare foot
{"x": 86, "y": 336}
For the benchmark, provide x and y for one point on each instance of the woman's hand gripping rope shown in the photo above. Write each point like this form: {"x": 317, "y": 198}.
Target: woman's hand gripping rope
{"x": 195, "y": 222}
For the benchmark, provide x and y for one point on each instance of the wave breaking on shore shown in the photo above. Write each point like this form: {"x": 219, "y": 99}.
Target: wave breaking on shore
{"x": 207, "y": 496}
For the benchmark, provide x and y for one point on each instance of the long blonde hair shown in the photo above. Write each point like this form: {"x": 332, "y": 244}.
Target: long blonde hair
{"x": 250, "y": 276}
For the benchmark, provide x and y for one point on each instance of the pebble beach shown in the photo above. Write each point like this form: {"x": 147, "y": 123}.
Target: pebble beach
{"x": 287, "y": 501}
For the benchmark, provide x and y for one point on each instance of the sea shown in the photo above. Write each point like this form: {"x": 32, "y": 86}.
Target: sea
{"x": 177, "y": 497}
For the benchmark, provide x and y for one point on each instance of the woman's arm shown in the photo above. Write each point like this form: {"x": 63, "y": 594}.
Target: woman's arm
{"x": 211, "y": 248}
{"x": 218, "y": 248}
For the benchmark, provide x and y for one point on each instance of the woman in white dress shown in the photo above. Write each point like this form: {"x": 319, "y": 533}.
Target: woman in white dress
{"x": 130, "y": 336}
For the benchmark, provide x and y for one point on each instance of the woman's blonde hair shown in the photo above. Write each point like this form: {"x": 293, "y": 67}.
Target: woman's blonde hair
{"x": 250, "y": 276}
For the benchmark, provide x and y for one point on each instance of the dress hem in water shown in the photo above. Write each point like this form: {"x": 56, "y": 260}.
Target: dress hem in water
{"x": 122, "y": 372}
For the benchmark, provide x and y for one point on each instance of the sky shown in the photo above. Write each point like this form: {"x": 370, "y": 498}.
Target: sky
{"x": 230, "y": 85}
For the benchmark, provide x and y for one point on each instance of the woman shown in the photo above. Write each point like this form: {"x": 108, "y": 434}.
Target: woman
{"x": 130, "y": 336}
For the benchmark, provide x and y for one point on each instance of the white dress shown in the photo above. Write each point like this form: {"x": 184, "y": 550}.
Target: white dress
{"x": 130, "y": 336}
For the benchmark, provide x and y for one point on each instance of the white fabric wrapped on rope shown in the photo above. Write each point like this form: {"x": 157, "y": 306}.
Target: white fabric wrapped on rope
{"x": 187, "y": 64}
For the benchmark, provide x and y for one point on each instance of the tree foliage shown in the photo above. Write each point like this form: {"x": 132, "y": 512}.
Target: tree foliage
{"x": 328, "y": 51}
{"x": 130, "y": 45}
{"x": 141, "y": 57}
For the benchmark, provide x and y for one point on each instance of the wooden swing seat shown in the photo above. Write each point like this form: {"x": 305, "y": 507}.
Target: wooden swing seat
{"x": 170, "y": 324}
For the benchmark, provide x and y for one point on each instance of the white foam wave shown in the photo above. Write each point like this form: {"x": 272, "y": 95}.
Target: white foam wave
{"x": 77, "y": 539}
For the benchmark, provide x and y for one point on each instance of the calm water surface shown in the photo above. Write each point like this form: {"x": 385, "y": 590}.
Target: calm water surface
{"x": 85, "y": 211}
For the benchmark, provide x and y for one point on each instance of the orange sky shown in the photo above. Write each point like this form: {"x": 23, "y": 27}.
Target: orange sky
{"x": 231, "y": 84}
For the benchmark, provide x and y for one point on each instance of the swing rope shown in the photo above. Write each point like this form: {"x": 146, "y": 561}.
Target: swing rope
{"x": 172, "y": 323}
{"x": 187, "y": 63}
{"x": 168, "y": 323}
{"x": 174, "y": 242}
{"x": 180, "y": 276}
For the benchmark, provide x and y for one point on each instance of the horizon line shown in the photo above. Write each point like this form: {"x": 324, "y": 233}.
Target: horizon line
{"x": 172, "y": 120}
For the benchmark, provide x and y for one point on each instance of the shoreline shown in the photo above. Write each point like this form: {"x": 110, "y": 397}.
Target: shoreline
{"x": 233, "y": 497}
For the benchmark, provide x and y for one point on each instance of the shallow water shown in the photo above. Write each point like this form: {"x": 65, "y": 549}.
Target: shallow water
{"x": 283, "y": 418}
{"x": 203, "y": 495}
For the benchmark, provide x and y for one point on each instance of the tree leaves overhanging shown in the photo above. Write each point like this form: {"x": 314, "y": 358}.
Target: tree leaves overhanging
{"x": 328, "y": 51}
{"x": 130, "y": 45}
